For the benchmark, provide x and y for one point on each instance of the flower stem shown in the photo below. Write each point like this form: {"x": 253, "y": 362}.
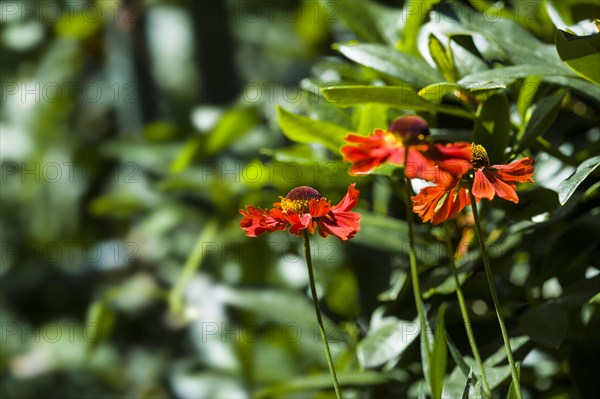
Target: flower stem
{"x": 313, "y": 291}
{"x": 412, "y": 256}
{"x": 464, "y": 312}
{"x": 490, "y": 279}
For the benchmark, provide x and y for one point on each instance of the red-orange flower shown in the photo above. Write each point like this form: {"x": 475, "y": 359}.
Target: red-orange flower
{"x": 441, "y": 202}
{"x": 303, "y": 208}
{"x": 432, "y": 162}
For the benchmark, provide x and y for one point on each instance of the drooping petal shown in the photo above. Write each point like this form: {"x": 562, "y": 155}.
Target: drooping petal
{"x": 502, "y": 189}
{"x": 482, "y": 188}
{"x": 349, "y": 201}
{"x": 440, "y": 203}
{"x": 343, "y": 225}
{"x": 520, "y": 171}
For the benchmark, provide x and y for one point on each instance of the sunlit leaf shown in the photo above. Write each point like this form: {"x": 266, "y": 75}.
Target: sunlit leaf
{"x": 568, "y": 187}
{"x": 302, "y": 129}
{"x": 580, "y": 53}
{"x": 388, "y": 341}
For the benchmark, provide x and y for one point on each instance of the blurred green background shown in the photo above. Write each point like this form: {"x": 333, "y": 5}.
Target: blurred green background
{"x": 131, "y": 134}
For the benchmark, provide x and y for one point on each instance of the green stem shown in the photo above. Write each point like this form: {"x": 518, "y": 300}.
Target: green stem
{"x": 490, "y": 279}
{"x": 313, "y": 291}
{"x": 464, "y": 312}
{"x": 414, "y": 273}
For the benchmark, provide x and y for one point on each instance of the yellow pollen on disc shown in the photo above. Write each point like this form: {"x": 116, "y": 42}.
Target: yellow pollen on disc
{"x": 479, "y": 156}
{"x": 297, "y": 205}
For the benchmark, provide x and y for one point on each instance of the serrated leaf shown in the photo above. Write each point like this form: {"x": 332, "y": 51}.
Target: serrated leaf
{"x": 568, "y": 187}
{"x": 580, "y": 53}
{"x": 302, "y": 129}
{"x": 492, "y": 127}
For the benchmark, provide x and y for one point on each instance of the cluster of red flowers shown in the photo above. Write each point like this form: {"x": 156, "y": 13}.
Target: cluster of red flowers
{"x": 454, "y": 168}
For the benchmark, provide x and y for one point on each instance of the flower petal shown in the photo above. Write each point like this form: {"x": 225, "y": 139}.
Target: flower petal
{"x": 440, "y": 203}
{"x": 367, "y": 153}
{"x": 257, "y": 221}
{"x": 343, "y": 225}
{"x": 482, "y": 188}
{"x": 349, "y": 201}
{"x": 520, "y": 171}
{"x": 319, "y": 207}
{"x": 300, "y": 222}
{"x": 504, "y": 190}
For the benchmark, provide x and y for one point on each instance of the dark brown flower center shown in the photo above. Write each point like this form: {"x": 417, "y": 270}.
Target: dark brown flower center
{"x": 479, "y": 156}
{"x": 298, "y": 198}
{"x": 411, "y": 128}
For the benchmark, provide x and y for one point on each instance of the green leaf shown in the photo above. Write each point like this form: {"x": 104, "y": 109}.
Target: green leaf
{"x": 508, "y": 74}
{"x": 320, "y": 382}
{"x": 492, "y": 127}
{"x": 532, "y": 201}
{"x": 512, "y": 391}
{"x": 500, "y": 355}
{"x": 354, "y": 15}
{"x": 103, "y": 318}
{"x": 458, "y": 358}
{"x": 317, "y": 107}
{"x": 465, "y": 394}
{"x": 546, "y": 324}
{"x": 389, "y": 340}
{"x": 302, "y": 154}
{"x": 278, "y": 305}
{"x": 371, "y": 116}
{"x": 527, "y": 93}
{"x": 442, "y": 57}
{"x": 233, "y": 125}
{"x": 583, "y": 87}
{"x": 436, "y": 92}
{"x": 401, "y": 97}
{"x": 186, "y": 156}
{"x": 542, "y": 114}
{"x": 414, "y": 13}
{"x": 568, "y": 187}
{"x": 387, "y": 60}
{"x": 518, "y": 43}
{"x": 580, "y": 53}
{"x": 437, "y": 362}
{"x": 595, "y": 298}
{"x": 302, "y": 129}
